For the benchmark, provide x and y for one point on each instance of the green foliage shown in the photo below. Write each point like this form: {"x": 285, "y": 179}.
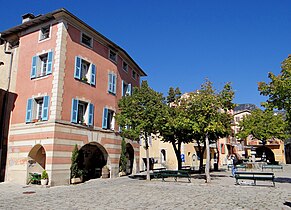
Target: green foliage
{"x": 262, "y": 125}
{"x": 278, "y": 90}
{"x": 44, "y": 175}
{"x": 123, "y": 158}
{"x": 76, "y": 172}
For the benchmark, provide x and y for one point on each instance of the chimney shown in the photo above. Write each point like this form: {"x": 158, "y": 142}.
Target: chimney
{"x": 27, "y": 17}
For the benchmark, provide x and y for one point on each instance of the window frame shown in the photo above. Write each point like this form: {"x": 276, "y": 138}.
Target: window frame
{"x": 88, "y": 36}
{"x": 37, "y": 65}
{"x": 134, "y": 73}
{"x": 106, "y": 124}
{"x": 112, "y": 83}
{"x": 41, "y": 37}
{"x": 125, "y": 69}
{"x": 90, "y": 77}
{"x": 115, "y": 57}
{"x": 37, "y": 109}
{"x": 88, "y": 112}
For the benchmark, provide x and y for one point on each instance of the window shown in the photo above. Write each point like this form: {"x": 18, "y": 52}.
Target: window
{"x": 112, "y": 55}
{"x": 112, "y": 83}
{"x": 108, "y": 119}
{"x": 37, "y": 109}
{"x": 85, "y": 71}
{"x": 86, "y": 40}
{"x": 41, "y": 65}
{"x": 237, "y": 119}
{"x": 44, "y": 32}
{"x": 134, "y": 75}
{"x": 126, "y": 89}
{"x": 82, "y": 112}
{"x": 163, "y": 156}
{"x": 124, "y": 66}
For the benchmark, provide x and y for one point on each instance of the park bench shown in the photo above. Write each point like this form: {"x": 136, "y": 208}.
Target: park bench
{"x": 243, "y": 166}
{"x": 172, "y": 173}
{"x": 272, "y": 167}
{"x": 255, "y": 176}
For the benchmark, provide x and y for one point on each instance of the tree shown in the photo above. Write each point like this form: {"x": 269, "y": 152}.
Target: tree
{"x": 210, "y": 116}
{"x": 76, "y": 172}
{"x": 123, "y": 158}
{"x": 262, "y": 125}
{"x": 278, "y": 90}
{"x": 176, "y": 125}
{"x": 140, "y": 114}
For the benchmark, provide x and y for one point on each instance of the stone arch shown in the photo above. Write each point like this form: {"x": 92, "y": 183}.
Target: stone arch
{"x": 130, "y": 158}
{"x": 270, "y": 157}
{"x": 92, "y": 158}
{"x": 36, "y": 160}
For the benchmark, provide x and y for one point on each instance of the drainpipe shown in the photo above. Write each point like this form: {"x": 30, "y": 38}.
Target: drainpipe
{"x": 3, "y": 114}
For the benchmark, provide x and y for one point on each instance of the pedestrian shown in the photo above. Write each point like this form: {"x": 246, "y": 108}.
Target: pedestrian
{"x": 234, "y": 163}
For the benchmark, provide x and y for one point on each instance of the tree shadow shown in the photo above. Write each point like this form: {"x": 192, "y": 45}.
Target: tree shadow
{"x": 287, "y": 204}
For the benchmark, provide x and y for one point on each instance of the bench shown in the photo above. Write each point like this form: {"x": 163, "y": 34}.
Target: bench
{"x": 272, "y": 167}
{"x": 243, "y": 166}
{"x": 256, "y": 176}
{"x": 172, "y": 173}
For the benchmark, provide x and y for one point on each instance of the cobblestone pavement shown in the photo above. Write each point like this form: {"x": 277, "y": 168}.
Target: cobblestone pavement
{"x": 126, "y": 193}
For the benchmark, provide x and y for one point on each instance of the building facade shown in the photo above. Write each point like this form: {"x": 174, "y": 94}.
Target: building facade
{"x": 69, "y": 80}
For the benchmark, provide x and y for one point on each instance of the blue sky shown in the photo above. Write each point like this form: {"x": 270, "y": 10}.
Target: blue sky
{"x": 180, "y": 43}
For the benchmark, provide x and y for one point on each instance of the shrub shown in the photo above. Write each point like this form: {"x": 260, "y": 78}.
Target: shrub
{"x": 44, "y": 175}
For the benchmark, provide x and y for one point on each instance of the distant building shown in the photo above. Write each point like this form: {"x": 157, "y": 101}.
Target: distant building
{"x": 69, "y": 80}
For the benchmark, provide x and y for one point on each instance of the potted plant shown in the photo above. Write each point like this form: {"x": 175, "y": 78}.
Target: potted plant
{"x": 44, "y": 178}
{"x": 105, "y": 172}
{"x": 76, "y": 172}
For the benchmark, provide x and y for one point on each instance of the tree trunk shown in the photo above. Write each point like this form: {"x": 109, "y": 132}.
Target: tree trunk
{"x": 147, "y": 157}
{"x": 201, "y": 151}
{"x": 178, "y": 154}
{"x": 207, "y": 174}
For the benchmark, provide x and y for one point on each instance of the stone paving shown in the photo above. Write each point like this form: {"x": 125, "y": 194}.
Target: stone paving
{"x": 126, "y": 193}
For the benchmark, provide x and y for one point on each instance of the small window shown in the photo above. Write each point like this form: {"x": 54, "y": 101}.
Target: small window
{"x": 82, "y": 112}
{"x": 37, "y": 109}
{"x": 108, "y": 119}
{"x": 124, "y": 66}
{"x": 126, "y": 88}
{"x": 86, "y": 40}
{"x": 163, "y": 156}
{"x": 112, "y": 55}
{"x": 44, "y": 32}
{"x": 85, "y": 71}
{"x": 237, "y": 119}
{"x": 41, "y": 65}
{"x": 134, "y": 75}
{"x": 112, "y": 83}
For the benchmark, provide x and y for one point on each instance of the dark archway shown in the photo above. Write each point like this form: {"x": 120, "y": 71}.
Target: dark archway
{"x": 270, "y": 157}
{"x": 92, "y": 157}
{"x": 130, "y": 157}
{"x": 288, "y": 153}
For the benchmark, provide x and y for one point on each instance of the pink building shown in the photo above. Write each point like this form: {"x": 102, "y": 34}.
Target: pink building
{"x": 69, "y": 80}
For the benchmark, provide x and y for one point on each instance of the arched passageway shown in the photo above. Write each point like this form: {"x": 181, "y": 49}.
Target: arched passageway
{"x": 36, "y": 161}
{"x": 265, "y": 153}
{"x": 130, "y": 157}
{"x": 92, "y": 158}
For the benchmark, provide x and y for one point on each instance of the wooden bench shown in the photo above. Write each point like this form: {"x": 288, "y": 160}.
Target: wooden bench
{"x": 256, "y": 176}
{"x": 172, "y": 173}
{"x": 272, "y": 167}
{"x": 243, "y": 166}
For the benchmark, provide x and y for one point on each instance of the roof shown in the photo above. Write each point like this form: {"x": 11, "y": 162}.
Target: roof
{"x": 63, "y": 13}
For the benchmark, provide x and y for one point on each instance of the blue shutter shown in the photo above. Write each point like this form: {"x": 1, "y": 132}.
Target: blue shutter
{"x": 49, "y": 63}
{"x": 91, "y": 114}
{"x": 114, "y": 83}
{"x": 122, "y": 88}
{"x": 77, "y": 73}
{"x": 110, "y": 82}
{"x": 128, "y": 90}
{"x": 93, "y": 75}
{"x": 33, "y": 67}
{"x": 29, "y": 110}
{"x": 74, "y": 113}
{"x": 105, "y": 116}
{"x": 44, "y": 114}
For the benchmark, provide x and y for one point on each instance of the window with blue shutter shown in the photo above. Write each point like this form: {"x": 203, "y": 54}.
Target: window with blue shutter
{"x": 33, "y": 67}
{"x": 122, "y": 88}
{"x": 74, "y": 112}
{"x": 93, "y": 75}
{"x": 45, "y": 108}
{"x": 110, "y": 83}
{"x": 114, "y": 83}
{"x": 91, "y": 114}
{"x": 29, "y": 108}
{"x": 104, "y": 120}
{"x": 77, "y": 73}
{"x": 49, "y": 63}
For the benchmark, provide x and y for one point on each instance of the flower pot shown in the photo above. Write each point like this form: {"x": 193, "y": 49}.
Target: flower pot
{"x": 105, "y": 172}
{"x": 76, "y": 180}
{"x": 44, "y": 181}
